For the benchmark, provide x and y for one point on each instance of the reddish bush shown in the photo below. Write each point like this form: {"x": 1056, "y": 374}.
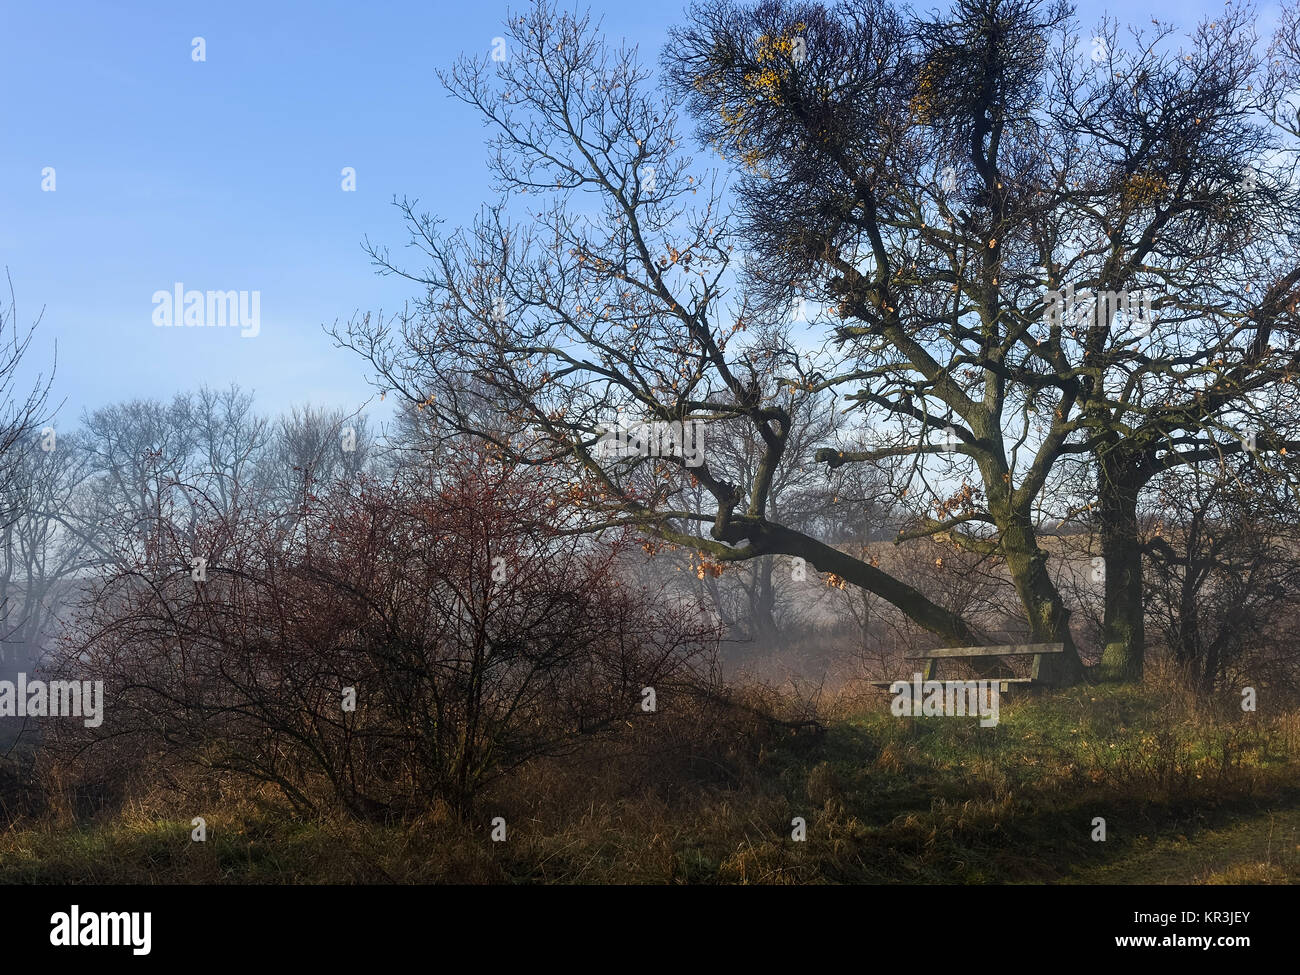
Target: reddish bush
{"x": 474, "y": 634}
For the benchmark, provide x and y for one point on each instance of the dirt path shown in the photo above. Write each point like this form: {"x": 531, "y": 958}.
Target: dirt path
{"x": 1263, "y": 849}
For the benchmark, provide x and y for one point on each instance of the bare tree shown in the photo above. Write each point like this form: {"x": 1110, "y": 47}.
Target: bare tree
{"x": 936, "y": 179}
{"x": 21, "y": 480}
{"x": 598, "y": 283}
{"x": 44, "y": 549}
{"x": 1225, "y": 555}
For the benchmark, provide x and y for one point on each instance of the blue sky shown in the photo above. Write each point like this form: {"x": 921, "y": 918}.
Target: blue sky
{"x": 225, "y": 174}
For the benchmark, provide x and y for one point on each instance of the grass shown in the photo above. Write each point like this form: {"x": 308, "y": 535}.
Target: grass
{"x": 1188, "y": 796}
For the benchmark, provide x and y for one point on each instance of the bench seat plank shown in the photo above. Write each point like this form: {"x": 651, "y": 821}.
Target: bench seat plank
{"x": 1004, "y": 681}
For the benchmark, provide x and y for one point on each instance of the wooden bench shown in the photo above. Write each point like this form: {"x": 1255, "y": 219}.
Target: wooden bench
{"x": 1036, "y": 650}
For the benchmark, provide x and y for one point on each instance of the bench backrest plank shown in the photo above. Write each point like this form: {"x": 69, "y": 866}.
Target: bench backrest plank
{"x": 1010, "y": 650}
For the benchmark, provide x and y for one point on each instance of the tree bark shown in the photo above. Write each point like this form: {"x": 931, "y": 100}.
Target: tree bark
{"x": 1049, "y": 620}
{"x": 763, "y": 602}
{"x": 1123, "y": 627}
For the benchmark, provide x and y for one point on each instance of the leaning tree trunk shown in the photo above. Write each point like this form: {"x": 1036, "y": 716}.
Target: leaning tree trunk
{"x": 1123, "y": 630}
